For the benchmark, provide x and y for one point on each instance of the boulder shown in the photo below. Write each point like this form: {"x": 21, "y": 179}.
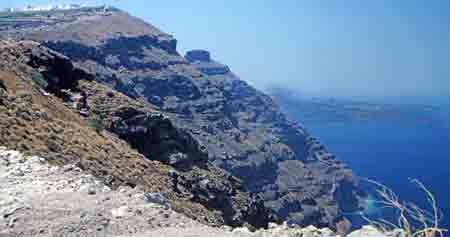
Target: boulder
{"x": 155, "y": 198}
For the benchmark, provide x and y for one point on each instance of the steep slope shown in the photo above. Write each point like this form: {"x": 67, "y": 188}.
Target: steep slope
{"x": 44, "y": 101}
{"x": 241, "y": 129}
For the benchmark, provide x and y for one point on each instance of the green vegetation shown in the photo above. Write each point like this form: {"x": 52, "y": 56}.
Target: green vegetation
{"x": 39, "y": 80}
{"x": 97, "y": 124}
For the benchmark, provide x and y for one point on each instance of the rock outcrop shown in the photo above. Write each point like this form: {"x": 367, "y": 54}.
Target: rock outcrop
{"x": 198, "y": 55}
{"x": 201, "y": 60}
{"x": 156, "y": 137}
{"x": 239, "y": 129}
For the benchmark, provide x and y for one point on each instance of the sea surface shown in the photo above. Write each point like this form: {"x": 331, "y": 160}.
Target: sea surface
{"x": 393, "y": 152}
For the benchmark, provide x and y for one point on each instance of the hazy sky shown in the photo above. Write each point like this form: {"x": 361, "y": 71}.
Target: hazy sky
{"x": 352, "y": 47}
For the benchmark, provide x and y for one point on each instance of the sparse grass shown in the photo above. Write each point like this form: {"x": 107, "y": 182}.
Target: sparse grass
{"x": 97, "y": 124}
{"x": 411, "y": 218}
{"x": 39, "y": 80}
{"x": 8, "y": 82}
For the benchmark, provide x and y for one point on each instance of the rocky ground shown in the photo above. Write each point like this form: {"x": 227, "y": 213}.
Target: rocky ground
{"x": 39, "y": 199}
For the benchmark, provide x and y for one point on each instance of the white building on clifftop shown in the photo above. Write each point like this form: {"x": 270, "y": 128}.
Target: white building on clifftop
{"x": 32, "y": 8}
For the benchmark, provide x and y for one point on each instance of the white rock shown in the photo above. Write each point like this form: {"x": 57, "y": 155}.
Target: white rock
{"x": 88, "y": 188}
{"x": 54, "y": 169}
{"x": 272, "y": 225}
{"x": 310, "y": 231}
{"x": 227, "y": 228}
{"x": 33, "y": 159}
{"x": 155, "y": 198}
{"x": 310, "y": 228}
{"x": 121, "y": 211}
{"x": 122, "y": 190}
{"x": 26, "y": 169}
{"x": 106, "y": 189}
{"x": 18, "y": 173}
{"x": 366, "y": 231}
{"x": 38, "y": 168}
{"x": 241, "y": 230}
{"x": 326, "y": 232}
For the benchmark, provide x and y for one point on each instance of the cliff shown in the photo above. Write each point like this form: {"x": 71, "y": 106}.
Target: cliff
{"x": 51, "y": 114}
{"x": 207, "y": 120}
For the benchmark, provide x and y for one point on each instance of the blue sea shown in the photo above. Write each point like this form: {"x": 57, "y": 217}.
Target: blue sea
{"x": 393, "y": 152}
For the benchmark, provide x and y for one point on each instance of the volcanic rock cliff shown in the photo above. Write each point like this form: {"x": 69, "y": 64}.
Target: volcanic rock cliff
{"x": 48, "y": 108}
{"x": 204, "y": 113}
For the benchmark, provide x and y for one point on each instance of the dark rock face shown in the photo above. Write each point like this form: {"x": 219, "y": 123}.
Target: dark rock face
{"x": 159, "y": 91}
{"x": 201, "y": 60}
{"x": 59, "y": 71}
{"x": 155, "y": 137}
{"x": 211, "y": 68}
{"x": 241, "y": 129}
{"x": 198, "y": 55}
{"x": 224, "y": 192}
{"x": 127, "y": 52}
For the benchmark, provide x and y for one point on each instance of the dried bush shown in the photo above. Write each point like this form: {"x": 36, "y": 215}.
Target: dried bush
{"x": 8, "y": 82}
{"x": 414, "y": 220}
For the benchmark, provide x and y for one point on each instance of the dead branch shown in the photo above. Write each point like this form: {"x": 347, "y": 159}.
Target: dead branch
{"x": 414, "y": 220}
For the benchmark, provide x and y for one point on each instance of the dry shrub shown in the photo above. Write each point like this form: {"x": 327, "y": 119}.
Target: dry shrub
{"x": 414, "y": 220}
{"x": 8, "y": 82}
